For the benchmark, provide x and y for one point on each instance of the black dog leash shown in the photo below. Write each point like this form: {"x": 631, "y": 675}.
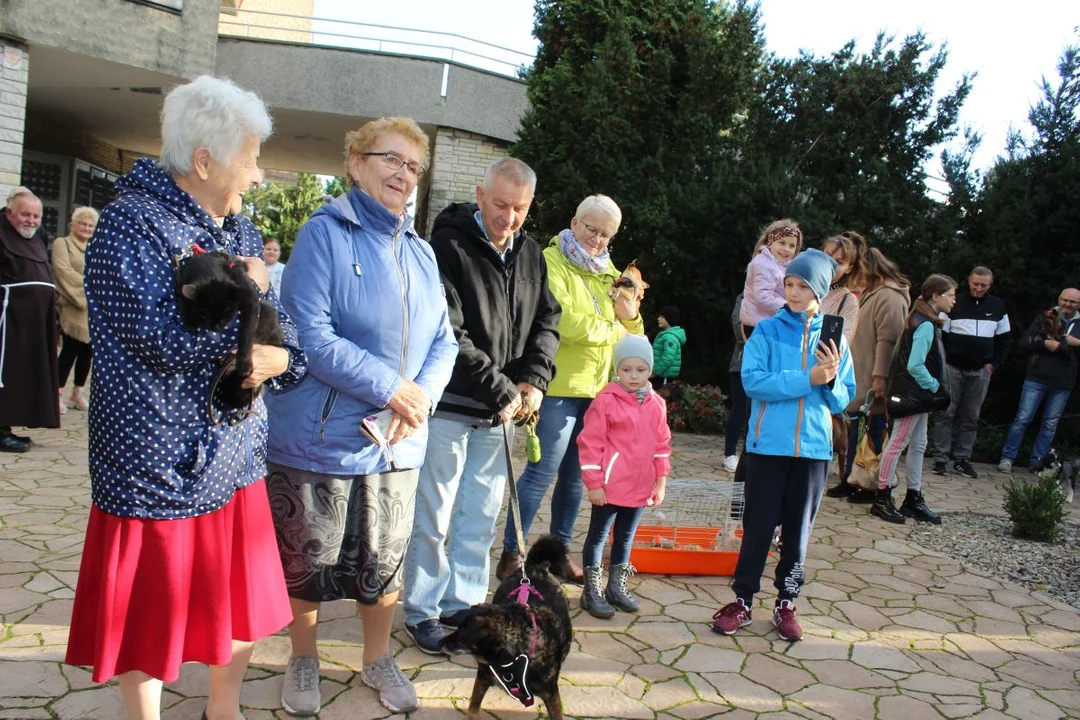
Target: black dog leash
{"x": 515, "y": 507}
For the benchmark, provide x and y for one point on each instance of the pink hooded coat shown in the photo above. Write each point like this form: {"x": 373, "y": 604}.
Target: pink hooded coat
{"x": 623, "y": 446}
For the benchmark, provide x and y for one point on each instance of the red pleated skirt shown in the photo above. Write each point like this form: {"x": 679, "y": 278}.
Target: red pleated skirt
{"x": 153, "y": 594}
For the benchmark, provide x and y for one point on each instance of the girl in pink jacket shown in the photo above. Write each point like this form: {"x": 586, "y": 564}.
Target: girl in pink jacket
{"x": 763, "y": 293}
{"x": 625, "y": 454}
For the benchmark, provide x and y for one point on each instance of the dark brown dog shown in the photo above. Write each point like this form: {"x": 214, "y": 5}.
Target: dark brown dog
{"x": 521, "y": 638}
{"x": 1052, "y": 328}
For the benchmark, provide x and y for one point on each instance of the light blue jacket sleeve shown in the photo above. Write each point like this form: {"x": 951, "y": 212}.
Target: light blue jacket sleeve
{"x": 334, "y": 360}
{"x": 921, "y": 343}
{"x": 843, "y": 387}
{"x": 762, "y": 383}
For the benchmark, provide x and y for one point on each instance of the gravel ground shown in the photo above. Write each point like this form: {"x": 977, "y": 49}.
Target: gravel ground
{"x": 986, "y": 542}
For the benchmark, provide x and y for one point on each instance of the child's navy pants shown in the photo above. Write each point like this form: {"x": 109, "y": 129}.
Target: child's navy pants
{"x": 784, "y": 491}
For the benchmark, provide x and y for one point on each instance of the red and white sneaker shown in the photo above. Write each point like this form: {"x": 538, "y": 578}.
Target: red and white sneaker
{"x": 785, "y": 622}
{"x": 731, "y": 617}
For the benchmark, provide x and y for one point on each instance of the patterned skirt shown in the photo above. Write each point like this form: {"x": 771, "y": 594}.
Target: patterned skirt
{"x": 342, "y": 537}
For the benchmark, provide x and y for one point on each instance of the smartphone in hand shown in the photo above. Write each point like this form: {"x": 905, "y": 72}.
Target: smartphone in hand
{"x": 376, "y": 428}
{"x": 832, "y": 328}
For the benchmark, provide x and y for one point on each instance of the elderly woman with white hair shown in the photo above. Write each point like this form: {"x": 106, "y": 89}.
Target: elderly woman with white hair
{"x": 580, "y": 274}
{"x": 180, "y": 563}
{"x": 69, "y": 264}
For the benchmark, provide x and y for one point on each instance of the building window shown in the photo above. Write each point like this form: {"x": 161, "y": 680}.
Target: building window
{"x": 173, "y": 5}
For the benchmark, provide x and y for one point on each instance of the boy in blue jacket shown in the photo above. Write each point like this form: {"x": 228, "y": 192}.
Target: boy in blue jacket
{"x": 795, "y": 384}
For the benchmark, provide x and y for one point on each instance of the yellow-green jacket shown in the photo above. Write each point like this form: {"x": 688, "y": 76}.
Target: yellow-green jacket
{"x": 587, "y": 328}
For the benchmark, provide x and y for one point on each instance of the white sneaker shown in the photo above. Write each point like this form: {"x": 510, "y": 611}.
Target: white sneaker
{"x": 1005, "y": 465}
{"x": 731, "y": 462}
{"x": 300, "y": 694}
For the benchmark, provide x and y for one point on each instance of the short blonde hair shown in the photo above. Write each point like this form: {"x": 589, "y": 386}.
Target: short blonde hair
{"x": 360, "y": 141}
{"x": 600, "y": 203}
{"x": 84, "y": 212}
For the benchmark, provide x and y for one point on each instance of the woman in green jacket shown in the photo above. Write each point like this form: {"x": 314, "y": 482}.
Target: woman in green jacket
{"x": 580, "y": 274}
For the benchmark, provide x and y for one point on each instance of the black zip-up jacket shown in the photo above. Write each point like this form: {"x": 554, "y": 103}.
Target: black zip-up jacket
{"x": 977, "y": 332}
{"x": 905, "y": 396}
{"x": 1053, "y": 369}
{"x": 504, "y": 316}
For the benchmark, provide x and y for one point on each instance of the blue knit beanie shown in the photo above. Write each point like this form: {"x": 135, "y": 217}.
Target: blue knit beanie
{"x": 634, "y": 346}
{"x": 816, "y": 268}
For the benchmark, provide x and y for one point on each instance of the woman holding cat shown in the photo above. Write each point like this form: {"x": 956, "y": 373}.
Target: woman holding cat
{"x": 580, "y": 274}
{"x": 179, "y": 563}
{"x": 367, "y": 296}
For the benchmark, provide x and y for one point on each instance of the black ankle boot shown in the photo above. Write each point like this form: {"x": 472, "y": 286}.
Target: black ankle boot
{"x": 842, "y": 489}
{"x": 914, "y": 506}
{"x": 617, "y": 592}
{"x": 592, "y": 596}
{"x": 884, "y": 507}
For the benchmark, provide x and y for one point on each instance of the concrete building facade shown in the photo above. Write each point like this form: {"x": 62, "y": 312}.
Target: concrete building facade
{"x": 90, "y": 104}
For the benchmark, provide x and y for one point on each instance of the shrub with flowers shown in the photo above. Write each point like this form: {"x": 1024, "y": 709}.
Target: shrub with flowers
{"x": 695, "y": 408}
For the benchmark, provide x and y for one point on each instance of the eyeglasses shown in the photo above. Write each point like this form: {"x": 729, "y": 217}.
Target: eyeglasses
{"x": 1068, "y": 301}
{"x": 591, "y": 231}
{"x": 395, "y": 161}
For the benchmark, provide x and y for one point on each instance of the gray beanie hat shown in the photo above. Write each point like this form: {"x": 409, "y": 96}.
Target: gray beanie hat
{"x": 634, "y": 346}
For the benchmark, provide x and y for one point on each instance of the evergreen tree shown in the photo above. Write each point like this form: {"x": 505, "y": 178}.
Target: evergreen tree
{"x": 278, "y": 211}
{"x": 848, "y": 137}
{"x": 638, "y": 100}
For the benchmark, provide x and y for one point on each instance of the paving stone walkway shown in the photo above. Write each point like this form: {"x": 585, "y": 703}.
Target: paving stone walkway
{"x": 893, "y": 631}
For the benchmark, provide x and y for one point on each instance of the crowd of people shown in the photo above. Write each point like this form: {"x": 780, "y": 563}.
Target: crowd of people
{"x": 375, "y": 466}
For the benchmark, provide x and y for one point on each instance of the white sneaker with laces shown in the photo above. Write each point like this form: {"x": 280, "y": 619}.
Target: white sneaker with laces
{"x": 300, "y": 695}
{"x": 1005, "y": 465}
{"x": 396, "y": 693}
{"x": 731, "y": 462}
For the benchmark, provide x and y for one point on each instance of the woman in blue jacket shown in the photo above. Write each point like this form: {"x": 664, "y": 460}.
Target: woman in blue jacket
{"x": 795, "y": 385}
{"x": 366, "y": 296}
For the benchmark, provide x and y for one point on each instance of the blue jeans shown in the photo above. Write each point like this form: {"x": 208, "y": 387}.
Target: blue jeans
{"x": 626, "y": 521}
{"x": 459, "y": 496}
{"x": 560, "y": 424}
{"x": 1030, "y": 399}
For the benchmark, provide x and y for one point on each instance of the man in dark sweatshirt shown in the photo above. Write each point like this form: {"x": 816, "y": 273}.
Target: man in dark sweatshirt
{"x": 976, "y": 336}
{"x": 506, "y": 323}
{"x": 1051, "y": 342}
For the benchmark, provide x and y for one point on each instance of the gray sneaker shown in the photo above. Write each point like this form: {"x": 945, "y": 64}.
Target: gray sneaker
{"x": 396, "y": 693}
{"x": 1005, "y": 465}
{"x": 300, "y": 694}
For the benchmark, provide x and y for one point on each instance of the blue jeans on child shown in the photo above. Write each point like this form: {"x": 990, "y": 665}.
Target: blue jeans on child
{"x": 1031, "y": 397}
{"x": 626, "y": 521}
{"x": 459, "y": 496}
{"x": 560, "y": 424}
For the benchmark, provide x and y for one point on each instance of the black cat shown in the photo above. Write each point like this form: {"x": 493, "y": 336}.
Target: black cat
{"x": 211, "y": 287}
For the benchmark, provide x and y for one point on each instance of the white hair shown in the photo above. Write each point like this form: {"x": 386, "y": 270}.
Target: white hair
{"x": 600, "y": 203}
{"x": 17, "y": 192}
{"x": 513, "y": 170}
{"x": 212, "y": 113}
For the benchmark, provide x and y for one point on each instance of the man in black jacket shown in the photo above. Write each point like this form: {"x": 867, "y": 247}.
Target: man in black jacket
{"x": 976, "y": 336}
{"x": 506, "y": 323}
{"x": 1052, "y": 341}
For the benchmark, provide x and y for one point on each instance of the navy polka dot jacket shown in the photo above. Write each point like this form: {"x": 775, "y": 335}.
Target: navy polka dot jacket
{"x": 154, "y": 452}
